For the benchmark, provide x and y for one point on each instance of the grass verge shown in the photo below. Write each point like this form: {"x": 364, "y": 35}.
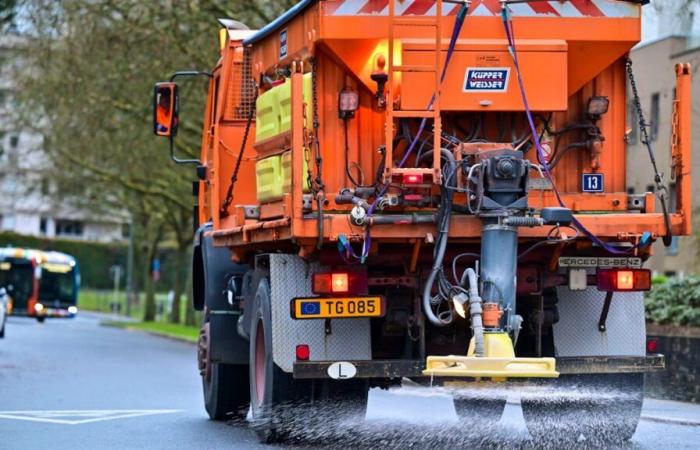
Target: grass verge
{"x": 171, "y": 330}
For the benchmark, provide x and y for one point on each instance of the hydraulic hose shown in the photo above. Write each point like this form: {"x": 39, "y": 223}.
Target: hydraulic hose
{"x": 475, "y": 312}
{"x": 443, "y": 223}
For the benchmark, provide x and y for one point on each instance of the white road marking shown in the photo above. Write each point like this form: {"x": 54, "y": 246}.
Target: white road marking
{"x": 70, "y": 417}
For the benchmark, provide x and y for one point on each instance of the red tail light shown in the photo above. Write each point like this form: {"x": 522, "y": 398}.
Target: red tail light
{"x": 353, "y": 283}
{"x": 412, "y": 178}
{"x": 415, "y": 179}
{"x": 652, "y": 345}
{"x": 303, "y": 352}
{"x": 624, "y": 280}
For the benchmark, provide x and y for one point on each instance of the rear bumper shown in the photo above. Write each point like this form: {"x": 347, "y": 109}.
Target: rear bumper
{"x": 414, "y": 368}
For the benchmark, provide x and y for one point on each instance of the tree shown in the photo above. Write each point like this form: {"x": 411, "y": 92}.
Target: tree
{"x": 8, "y": 11}
{"x": 91, "y": 68}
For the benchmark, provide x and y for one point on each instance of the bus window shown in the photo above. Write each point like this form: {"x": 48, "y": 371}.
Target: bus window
{"x": 57, "y": 286}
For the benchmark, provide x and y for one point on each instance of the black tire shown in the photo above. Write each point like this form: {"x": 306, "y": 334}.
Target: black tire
{"x": 2, "y": 330}
{"x": 273, "y": 392}
{"x": 224, "y": 385}
{"x": 592, "y": 409}
{"x": 41, "y": 319}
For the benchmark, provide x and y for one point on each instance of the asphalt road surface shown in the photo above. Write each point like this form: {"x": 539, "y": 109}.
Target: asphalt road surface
{"x": 73, "y": 384}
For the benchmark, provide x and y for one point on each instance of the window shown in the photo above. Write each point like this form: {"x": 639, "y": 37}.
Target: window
{"x": 654, "y": 119}
{"x": 9, "y": 184}
{"x": 42, "y": 225}
{"x": 45, "y": 186}
{"x": 8, "y": 223}
{"x": 630, "y": 190}
{"x": 69, "y": 227}
{"x": 651, "y": 188}
{"x": 14, "y": 141}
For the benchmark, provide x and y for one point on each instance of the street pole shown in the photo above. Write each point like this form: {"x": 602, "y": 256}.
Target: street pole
{"x": 130, "y": 269}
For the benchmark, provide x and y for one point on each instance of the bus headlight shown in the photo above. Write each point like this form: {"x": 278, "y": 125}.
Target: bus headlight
{"x": 73, "y": 310}
{"x": 38, "y": 308}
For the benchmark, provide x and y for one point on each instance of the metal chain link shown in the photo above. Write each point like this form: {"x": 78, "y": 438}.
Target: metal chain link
{"x": 318, "y": 182}
{"x": 661, "y": 189}
{"x": 234, "y": 176}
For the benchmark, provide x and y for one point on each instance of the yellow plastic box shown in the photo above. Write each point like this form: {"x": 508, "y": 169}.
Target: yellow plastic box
{"x": 268, "y": 178}
{"x": 284, "y": 96}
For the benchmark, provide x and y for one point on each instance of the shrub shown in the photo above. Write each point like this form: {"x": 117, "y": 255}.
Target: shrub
{"x": 676, "y": 302}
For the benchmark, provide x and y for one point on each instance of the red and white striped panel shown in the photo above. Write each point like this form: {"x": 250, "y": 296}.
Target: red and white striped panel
{"x": 553, "y": 8}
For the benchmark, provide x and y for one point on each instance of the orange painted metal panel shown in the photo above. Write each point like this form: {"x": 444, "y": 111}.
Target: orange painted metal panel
{"x": 543, "y": 68}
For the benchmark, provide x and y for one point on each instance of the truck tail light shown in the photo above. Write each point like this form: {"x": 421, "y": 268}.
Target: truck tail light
{"x": 303, "y": 352}
{"x": 340, "y": 283}
{"x": 652, "y": 345}
{"x": 624, "y": 280}
{"x": 412, "y": 178}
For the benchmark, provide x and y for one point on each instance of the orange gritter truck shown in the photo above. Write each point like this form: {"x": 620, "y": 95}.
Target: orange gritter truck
{"x": 433, "y": 190}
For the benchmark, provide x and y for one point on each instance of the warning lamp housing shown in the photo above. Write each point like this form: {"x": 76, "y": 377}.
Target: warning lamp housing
{"x": 413, "y": 179}
{"x": 341, "y": 282}
{"x": 348, "y": 103}
{"x": 624, "y": 280}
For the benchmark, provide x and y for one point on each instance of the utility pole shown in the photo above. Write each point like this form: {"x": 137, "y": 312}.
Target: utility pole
{"x": 117, "y": 275}
{"x": 130, "y": 269}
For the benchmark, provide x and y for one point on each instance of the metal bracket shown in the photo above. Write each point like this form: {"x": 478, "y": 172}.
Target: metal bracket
{"x": 604, "y": 312}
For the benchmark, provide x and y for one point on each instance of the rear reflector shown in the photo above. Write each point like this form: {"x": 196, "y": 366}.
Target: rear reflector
{"x": 303, "y": 352}
{"x": 624, "y": 280}
{"x": 354, "y": 283}
{"x": 652, "y": 345}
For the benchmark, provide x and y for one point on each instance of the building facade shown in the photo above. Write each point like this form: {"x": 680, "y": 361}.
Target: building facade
{"x": 29, "y": 203}
{"x": 655, "y": 77}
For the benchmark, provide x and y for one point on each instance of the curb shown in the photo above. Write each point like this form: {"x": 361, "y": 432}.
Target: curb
{"x": 672, "y": 420}
{"x": 152, "y": 333}
{"x": 160, "y": 335}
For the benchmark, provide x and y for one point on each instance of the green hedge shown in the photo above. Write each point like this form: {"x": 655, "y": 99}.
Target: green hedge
{"x": 675, "y": 302}
{"x": 95, "y": 259}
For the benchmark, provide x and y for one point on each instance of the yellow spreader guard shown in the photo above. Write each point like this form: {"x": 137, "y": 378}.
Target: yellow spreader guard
{"x": 500, "y": 362}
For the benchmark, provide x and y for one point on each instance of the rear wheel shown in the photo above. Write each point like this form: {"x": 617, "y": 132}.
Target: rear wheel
{"x": 223, "y": 385}
{"x": 41, "y": 319}
{"x": 2, "y": 327}
{"x": 595, "y": 409}
{"x": 273, "y": 392}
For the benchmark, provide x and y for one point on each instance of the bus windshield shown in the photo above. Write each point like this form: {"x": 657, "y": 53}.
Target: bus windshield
{"x": 17, "y": 278}
{"x": 57, "y": 285}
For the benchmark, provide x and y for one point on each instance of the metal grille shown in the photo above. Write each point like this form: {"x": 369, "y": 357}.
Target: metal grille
{"x": 241, "y": 95}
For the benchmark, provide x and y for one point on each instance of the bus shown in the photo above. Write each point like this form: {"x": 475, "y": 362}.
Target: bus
{"x": 38, "y": 283}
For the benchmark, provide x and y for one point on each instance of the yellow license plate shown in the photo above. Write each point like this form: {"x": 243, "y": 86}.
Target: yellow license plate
{"x": 337, "y": 308}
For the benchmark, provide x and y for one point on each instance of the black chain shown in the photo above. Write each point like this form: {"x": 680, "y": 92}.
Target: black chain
{"x": 234, "y": 176}
{"x": 316, "y": 124}
{"x": 661, "y": 189}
